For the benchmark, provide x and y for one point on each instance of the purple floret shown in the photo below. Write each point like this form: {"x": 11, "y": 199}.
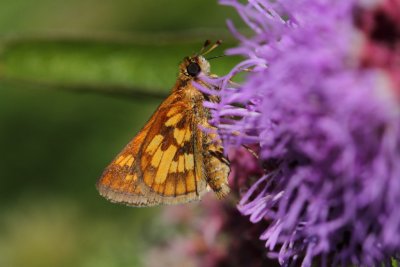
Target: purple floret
{"x": 330, "y": 128}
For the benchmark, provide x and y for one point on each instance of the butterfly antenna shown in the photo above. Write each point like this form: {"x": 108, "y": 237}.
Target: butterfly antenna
{"x": 205, "y": 45}
{"x": 215, "y": 57}
{"x": 215, "y": 45}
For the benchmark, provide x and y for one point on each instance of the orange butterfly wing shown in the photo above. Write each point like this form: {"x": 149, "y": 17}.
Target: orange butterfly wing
{"x": 163, "y": 163}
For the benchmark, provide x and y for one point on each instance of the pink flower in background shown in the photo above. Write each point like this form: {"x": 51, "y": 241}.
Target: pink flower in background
{"x": 381, "y": 28}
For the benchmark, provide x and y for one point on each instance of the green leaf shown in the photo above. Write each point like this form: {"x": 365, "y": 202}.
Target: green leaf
{"x": 120, "y": 68}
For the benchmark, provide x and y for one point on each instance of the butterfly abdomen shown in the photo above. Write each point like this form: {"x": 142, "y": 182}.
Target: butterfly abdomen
{"x": 216, "y": 165}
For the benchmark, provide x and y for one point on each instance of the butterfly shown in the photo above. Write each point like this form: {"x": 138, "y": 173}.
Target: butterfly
{"x": 177, "y": 156}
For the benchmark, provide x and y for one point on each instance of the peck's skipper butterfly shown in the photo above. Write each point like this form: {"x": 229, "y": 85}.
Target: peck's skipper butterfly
{"x": 172, "y": 159}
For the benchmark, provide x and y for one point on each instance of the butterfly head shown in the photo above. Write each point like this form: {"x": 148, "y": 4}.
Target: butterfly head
{"x": 192, "y": 67}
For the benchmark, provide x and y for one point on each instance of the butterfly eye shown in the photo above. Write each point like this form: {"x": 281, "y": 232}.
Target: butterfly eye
{"x": 193, "y": 69}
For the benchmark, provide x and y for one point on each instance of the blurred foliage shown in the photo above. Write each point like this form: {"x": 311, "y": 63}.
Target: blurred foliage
{"x": 99, "y": 66}
{"x": 56, "y": 142}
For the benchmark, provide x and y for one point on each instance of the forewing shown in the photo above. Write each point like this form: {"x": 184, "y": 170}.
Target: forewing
{"x": 161, "y": 164}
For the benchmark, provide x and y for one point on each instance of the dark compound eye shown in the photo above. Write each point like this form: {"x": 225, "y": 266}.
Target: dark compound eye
{"x": 193, "y": 69}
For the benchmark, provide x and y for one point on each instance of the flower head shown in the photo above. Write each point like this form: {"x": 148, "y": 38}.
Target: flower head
{"x": 328, "y": 121}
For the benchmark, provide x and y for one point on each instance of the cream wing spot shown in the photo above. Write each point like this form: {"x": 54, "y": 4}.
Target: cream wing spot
{"x": 189, "y": 162}
{"x": 156, "y": 158}
{"x": 174, "y": 120}
{"x": 181, "y": 164}
{"x": 120, "y": 158}
{"x": 188, "y": 135}
{"x": 125, "y": 160}
{"x": 179, "y": 135}
{"x": 130, "y": 177}
{"x": 173, "y": 111}
{"x": 173, "y": 167}
{"x": 154, "y": 144}
{"x": 163, "y": 168}
{"x": 129, "y": 162}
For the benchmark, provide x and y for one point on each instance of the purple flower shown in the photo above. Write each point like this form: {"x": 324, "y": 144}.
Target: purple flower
{"x": 328, "y": 121}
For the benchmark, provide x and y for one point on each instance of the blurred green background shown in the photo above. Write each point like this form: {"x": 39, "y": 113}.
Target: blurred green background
{"x": 78, "y": 79}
